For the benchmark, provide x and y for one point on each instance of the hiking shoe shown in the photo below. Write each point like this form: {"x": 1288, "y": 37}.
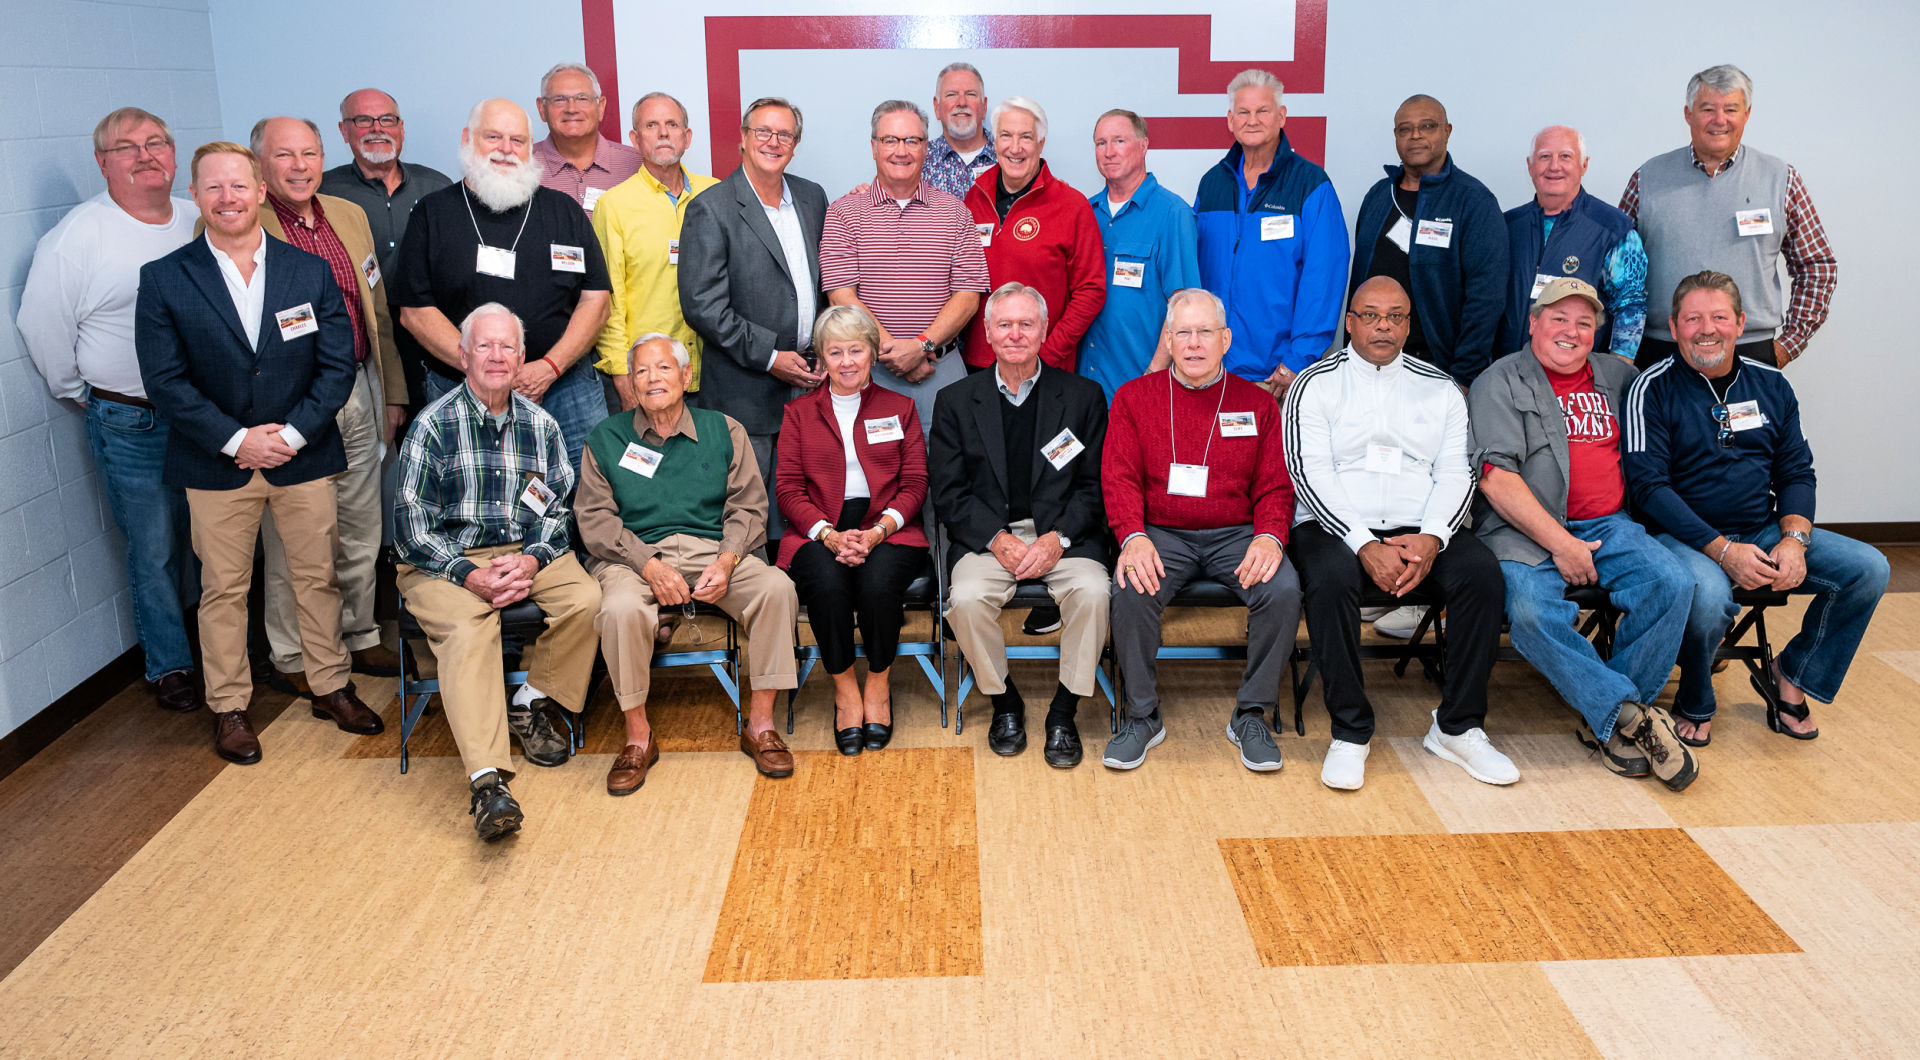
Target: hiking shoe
{"x": 1650, "y": 728}
{"x": 1346, "y": 766}
{"x": 538, "y": 741}
{"x": 495, "y": 813}
{"x": 1250, "y": 734}
{"x": 1137, "y": 736}
{"x": 1471, "y": 751}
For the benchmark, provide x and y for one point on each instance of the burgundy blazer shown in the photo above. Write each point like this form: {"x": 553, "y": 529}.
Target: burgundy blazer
{"x": 810, "y": 482}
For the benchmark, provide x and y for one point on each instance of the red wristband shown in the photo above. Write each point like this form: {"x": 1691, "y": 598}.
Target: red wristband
{"x": 554, "y": 366}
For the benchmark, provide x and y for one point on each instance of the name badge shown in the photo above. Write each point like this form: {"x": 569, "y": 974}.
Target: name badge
{"x": 1540, "y": 282}
{"x": 297, "y": 321}
{"x": 640, "y": 460}
{"x": 537, "y": 496}
{"x": 1279, "y": 227}
{"x": 1384, "y": 459}
{"x": 1745, "y": 416}
{"x": 1129, "y": 273}
{"x": 986, "y": 234}
{"x": 592, "y": 196}
{"x": 370, "y": 268}
{"x": 1435, "y": 234}
{"x": 884, "y": 430}
{"x": 1401, "y": 234}
{"x": 1754, "y": 222}
{"x": 568, "y": 259}
{"x": 1063, "y": 448}
{"x": 1187, "y": 480}
{"x": 493, "y": 261}
{"x": 673, "y": 252}
{"x": 1238, "y": 425}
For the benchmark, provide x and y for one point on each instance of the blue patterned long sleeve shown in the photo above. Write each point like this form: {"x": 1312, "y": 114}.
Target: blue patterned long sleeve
{"x": 1623, "y": 287}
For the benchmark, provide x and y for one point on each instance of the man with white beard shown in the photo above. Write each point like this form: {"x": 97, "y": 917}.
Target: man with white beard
{"x": 498, "y": 236}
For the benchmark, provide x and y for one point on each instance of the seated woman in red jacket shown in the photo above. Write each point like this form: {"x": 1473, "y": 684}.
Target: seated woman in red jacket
{"x": 850, "y": 482}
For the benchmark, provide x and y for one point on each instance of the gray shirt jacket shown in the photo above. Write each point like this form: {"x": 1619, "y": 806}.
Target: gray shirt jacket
{"x": 1518, "y": 426}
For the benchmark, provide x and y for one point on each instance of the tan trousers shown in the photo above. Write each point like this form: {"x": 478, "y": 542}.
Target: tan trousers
{"x": 981, "y": 589}
{"x": 464, "y": 632}
{"x": 356, "y": 494}
{"x": 225, "y": 526}
{"x": 759, "y": 597}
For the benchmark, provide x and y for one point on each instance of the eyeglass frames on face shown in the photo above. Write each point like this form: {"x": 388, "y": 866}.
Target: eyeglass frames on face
{"x": 763, "y": 134}
{"x": 154, "y": 148}
{"x": 909, "y": 142}
{"x": 584, "y": 99}
{"x": 1370, "y": 318}
{"x": 368, "y": 121}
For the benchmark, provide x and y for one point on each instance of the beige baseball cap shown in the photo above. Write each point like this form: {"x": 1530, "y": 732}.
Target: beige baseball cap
{"x": 1568, "y": 287}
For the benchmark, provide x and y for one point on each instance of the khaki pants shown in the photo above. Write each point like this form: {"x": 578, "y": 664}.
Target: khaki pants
{"x": 759, "y": 597}
{"x": 981, "y": 589}
{"x": 464, "y": 632}
{"x": 356, "y": 494}
{"x": 225, "y": 526}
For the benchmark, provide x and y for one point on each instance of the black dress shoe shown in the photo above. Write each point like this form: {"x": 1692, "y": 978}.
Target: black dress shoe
{"x": 1008, "y": 736}
{"x": 1063, "y": 746}
{"x": 878, "y": 735}
{"x": 850, "y": 740}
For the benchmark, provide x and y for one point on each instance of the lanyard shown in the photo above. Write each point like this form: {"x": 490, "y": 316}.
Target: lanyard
{"x": 1173, "y": 448}
{"x": 466, "y": 197}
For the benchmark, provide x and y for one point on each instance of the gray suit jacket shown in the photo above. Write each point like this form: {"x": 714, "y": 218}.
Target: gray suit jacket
{"x": 736, "y": 292}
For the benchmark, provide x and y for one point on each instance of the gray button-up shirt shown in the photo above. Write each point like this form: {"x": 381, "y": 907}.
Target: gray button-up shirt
{"x": 386, "y": 214}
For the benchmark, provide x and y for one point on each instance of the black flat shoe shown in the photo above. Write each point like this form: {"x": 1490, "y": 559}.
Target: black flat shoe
{"x": 1063, "y": 746}
{"x": 1008, "y": 736}
{"x": 849, "y": 740}
{"x": 878, "y": 735}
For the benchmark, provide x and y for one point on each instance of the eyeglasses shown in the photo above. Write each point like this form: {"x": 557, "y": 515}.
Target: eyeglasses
{"x": 1189, "y": 334}
{"x": 686, "y": 616}
{"x": 368, "y": 121}
{"x": 1369, "y": 318}
{"x": 1722, "y": 417}
{"x": 1425, "y": 128}
{"x": 154, "y": 147}
{"x": 507, "y": 348}
{"x": 581, "y": 98}
{"x": 910, "y": 142}
{"x": 762, "y": 134}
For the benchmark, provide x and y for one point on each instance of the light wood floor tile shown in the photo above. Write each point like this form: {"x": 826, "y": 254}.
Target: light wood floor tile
{"x": 1840, "y": 890}
{"x": 1562, "y": 786}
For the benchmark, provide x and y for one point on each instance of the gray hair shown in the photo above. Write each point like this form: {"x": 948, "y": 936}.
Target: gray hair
{"x": 680, "y": 353}
{"x": 1578, "y": 136}
{"x": 1019, "y": 103}
{"x": 1195, "y": 294}
{"x": 895, "y": 106}
{"x": 1707, "y": 280}
{"x": 259, "y": 134}
{"x": 109, "y": 125}
{"x": 842, "y": 322}
{"x": 685, "y": 120}
{"x": 546, "y": 79}
{"x": 492, "y": 309}
{"x": 1016, "y": 290}
{"x": 799, "y": 123}
{"x": 348, "y": 98}
{"x": 1724, "y": 79}
{"x": 1254, "y": 78}
{"x": 1139, "y": 124}
{"x": 957, "y": 68}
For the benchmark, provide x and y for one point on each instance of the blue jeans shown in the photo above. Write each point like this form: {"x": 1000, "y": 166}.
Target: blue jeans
{"x": 1845, "y": 579}
{"x": 575, "y": 402}
{"x": 1643, "y": 580}
{"x": 129, "y": 446}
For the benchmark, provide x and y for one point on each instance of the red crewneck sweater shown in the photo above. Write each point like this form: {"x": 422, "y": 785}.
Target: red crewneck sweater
{"x": 1247, "y": 478}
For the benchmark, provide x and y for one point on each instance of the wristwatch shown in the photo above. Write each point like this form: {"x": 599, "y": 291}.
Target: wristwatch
{"x": 1805, "y": 539}
{"x": 927, "y": 345}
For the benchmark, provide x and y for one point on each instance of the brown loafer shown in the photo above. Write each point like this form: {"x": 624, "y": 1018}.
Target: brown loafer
{"x": 347, "y": 712}
{"x": 233, "y": 738}
{"x": 178, "y": 692}
{"x": 629, "y": 770}
{"x": 770, "y": 755}
{"x": 377, "y": 661}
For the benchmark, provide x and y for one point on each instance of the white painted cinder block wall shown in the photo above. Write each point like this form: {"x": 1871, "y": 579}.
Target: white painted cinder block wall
{"x": 64, "y": 606}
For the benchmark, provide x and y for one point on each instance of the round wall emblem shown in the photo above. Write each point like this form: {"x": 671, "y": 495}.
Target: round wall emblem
{"x": 1026, "y": 228}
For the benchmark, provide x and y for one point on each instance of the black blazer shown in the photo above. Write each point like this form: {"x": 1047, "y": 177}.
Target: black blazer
{"x": 970, "y": 493}
{"x": 735, "y": 291}
{"x": 207, "y": 382}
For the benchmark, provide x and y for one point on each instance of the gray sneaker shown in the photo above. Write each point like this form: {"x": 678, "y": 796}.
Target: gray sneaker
{"x": 1258, "y": 752}
{"x": 538, "y": 741}
{"x": 1137, "y": 737}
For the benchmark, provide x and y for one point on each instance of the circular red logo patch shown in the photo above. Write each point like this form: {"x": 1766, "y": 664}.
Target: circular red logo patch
{"x": 1026, "y": 228}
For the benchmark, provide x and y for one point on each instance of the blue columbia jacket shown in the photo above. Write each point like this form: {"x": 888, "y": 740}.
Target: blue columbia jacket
{"x": 1276, "y": 254}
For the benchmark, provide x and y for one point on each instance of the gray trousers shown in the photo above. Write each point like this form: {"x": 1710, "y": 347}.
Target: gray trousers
{"x": 1273, "y": 616}
{"x": 766, "y": 453}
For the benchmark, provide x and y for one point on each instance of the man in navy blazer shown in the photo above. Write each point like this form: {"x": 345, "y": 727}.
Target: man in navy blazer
{"x": 245, "y": 346}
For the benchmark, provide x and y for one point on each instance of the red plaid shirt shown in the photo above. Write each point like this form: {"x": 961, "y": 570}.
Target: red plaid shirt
{"x": 1810, "y": 261}
{"x": 319, "y": 238}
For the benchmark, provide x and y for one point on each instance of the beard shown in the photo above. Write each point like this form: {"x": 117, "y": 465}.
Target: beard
{"x": 960, "y": 126}
{"x": 379, "y": 152}
{"x": 499, "y": 191}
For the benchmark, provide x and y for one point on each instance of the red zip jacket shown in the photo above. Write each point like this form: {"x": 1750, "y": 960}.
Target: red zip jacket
{"x": 1051, "y": 243}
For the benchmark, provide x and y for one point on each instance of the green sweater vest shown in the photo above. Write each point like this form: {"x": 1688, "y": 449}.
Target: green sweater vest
{"x": 687, "y": 493}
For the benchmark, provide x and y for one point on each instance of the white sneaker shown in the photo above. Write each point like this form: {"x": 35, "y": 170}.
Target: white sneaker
{"x": 1346, "y": 765}
{"x": 1471, "y": 751}
{"x": 1401, "y": 622}
{"x": 1373, "y": 614}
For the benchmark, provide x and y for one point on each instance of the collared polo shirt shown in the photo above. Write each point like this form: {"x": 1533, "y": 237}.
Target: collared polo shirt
{"x": 1156, "y": 232}
{"x": 638, "y": 227}
{"x": 613, "y": 164}
{"x": 387, "y": 212}
{"x": 904, "y": 262}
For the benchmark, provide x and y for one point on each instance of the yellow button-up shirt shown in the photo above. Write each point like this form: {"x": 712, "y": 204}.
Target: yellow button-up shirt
{"x": 639, "y": 229}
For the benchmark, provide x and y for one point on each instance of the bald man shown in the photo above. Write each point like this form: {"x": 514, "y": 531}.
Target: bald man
{"x": 375, "y": 179}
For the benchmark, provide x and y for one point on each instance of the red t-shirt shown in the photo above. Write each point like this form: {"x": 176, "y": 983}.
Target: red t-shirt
{"x": 1594, "y": 485}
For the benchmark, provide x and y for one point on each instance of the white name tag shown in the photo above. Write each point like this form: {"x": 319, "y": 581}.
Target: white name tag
{"x": 884, "y": 430}
{"x": 673, "y": 252}
{"x": 1187, "y": 480}
{"x": 1435, "y": 234}
{"x": 1745, "y": 416}
{"x": 1754, "y": 222}
{"x": 1540, "y": 282}
{"x": 537, "y": 496}
{"x": 370, "y": 268}
{"x": 1280, "y": 227}
{"x": 1401, "y": 234}
{"x": 568, "y": 259}
{"x": 493, "y": 261}
{"x": 1063, "y": 448}
{"x": 640, "y": 460}
{"x": 1384, "y": 459}
{"x": 1129, "y": 273}
{"x": 986, "y": 234}
{"x": 1238, "y": 425}
{"x": 297, "y": 321}
{"x": 592, "y": 196}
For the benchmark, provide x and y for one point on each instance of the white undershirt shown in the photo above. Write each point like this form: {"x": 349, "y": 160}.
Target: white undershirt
{"x": 786, "y": 224}
{"x": 846, "y": 409}
{"x": 250, "y": 302}
{"x": 969, "y": 156}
